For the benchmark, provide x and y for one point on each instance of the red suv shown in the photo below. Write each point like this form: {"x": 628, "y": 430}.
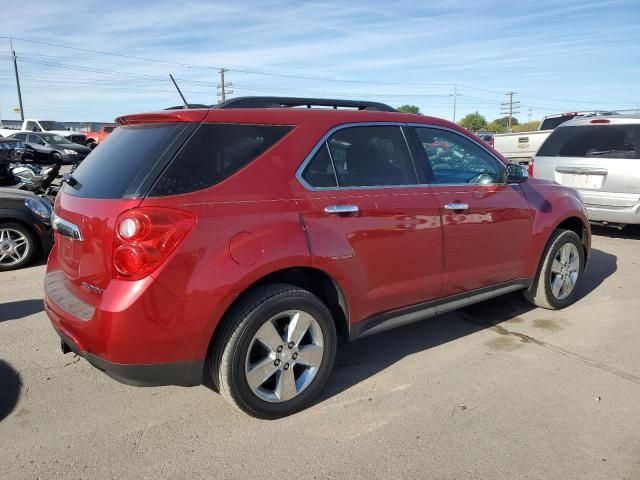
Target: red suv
{"x": 234, "y": 245}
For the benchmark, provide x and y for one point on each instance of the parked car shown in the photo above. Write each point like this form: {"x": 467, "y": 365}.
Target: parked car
{"x": 235, "y": 245}
{"x": 520, "y": 147}
{"x": 601, "y": 158}
{"x": 50, "y": 126}
{"x": 25, "y": 228}
{"x": 52, "y": 148}
{"x": 95, "y": 138}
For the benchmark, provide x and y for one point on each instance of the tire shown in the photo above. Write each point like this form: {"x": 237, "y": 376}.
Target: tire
{"x": 56, "y": 158}
{"x": 91, "y": 144}
{"x": 238, "y": 350}
{"x": 541, "y": 292}
{"x": 18, "y": 246}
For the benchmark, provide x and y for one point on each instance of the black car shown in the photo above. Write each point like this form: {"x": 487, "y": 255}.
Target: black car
{"x": 25, "y": 228}
{"x": 51, "y": 148}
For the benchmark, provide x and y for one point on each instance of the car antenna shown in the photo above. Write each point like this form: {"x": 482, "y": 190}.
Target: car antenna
{"x": 186, "y": 105}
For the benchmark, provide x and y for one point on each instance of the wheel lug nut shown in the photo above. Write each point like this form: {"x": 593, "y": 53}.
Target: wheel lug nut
{"x": 290, "y": 344}
{"x": 286, "y": 366}
{"x": 294, "y": 356}
{"x": 276, "y": 362}
{"x": 279, "y": 349}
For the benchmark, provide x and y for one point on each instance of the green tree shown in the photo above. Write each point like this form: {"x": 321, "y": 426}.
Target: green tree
{"x": 474, "y": 122}
{"x": 504, "y": 121}
{"x": 409, "y": 109}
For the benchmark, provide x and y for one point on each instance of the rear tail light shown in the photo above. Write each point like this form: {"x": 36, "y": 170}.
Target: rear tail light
{"x": 145, "y": 237}
{"x": 492, "y": 142}
{"x": 530, "y": 168}
{"x": 600, "y": 120}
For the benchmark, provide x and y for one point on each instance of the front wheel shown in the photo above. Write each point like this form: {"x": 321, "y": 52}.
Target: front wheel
{"x": 562, "y": 268}
{"x": 17, "y": 246}
{"x": 275, "y": 352}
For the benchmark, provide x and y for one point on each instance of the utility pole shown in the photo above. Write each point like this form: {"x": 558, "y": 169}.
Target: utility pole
{"x": 223, "y": 88}
{"x": 455, "y": 101}
{"x": 510, "y": 108}
{"x": 530, "y": 110}
{"x": 15, "y": 68}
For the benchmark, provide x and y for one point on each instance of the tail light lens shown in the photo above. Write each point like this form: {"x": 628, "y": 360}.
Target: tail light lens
{"x": 530, "y": 168}
{"x": 145, "y": 237}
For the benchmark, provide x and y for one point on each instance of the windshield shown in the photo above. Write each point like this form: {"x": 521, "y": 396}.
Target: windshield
{"x": 51, "y": 125}
{"x": 54, "y": 139}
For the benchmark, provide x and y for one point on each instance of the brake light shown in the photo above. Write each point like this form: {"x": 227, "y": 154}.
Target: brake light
{"x": 600, "y": 120}
{"x": 530, "y": 168}
{"x": 145, "y": 237}
{"x": 491, "y": 142}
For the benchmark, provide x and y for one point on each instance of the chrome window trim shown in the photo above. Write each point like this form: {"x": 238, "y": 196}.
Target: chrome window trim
{"x": 483, "y": 147}
{"x": 324, "y": 140}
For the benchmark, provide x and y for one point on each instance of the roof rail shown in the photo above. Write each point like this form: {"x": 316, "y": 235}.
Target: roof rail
{"x": 287, "y": 102}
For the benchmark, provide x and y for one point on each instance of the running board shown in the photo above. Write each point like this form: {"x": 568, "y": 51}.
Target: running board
{"x": 396, "y": 318}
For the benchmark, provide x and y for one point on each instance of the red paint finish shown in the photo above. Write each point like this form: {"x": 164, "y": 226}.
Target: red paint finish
{"x": 401, "y": 248}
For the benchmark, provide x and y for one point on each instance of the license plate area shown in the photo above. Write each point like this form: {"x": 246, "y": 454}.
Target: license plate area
{"x": 576, "y": 180}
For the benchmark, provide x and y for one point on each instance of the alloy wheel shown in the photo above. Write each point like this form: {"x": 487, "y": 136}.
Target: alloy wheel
{"x": 565, "y": 270}
{"x": 14, "y": 247}
{"x": 284, "y": 356}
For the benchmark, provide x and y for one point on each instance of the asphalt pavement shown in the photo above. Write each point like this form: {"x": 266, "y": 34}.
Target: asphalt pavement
{"x": 499, "y": 390}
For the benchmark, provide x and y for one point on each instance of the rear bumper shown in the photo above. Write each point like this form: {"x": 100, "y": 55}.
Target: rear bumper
{"x": 625, "y": 215}
{"x": 184, "y": 374}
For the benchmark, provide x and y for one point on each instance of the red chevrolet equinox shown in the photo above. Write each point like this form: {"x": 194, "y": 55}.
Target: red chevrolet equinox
{"x": 233, "y": 245}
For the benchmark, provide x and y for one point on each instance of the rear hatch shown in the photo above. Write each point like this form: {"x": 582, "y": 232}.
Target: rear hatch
{"x": 113, "y": 178}
{"x": 601, "y": 160}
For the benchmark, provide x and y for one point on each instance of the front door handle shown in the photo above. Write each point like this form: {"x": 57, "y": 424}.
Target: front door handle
{"x": 456, "y": 206}
{"x": 341, "y": 209}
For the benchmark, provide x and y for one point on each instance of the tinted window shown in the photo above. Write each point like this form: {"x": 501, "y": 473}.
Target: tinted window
{"x": 108, "y": 129}
{"x": 31, "y": 126}
{"x": 213, "y": 153}
{"x": 20, "y": 136}
{"x": 319, "y": 172}
{"x": 455, "y": 159}
{"x": 371, "y": 156}
{"x": 596, "y": 141}
{"x": 35, "y": 139}
{"x": 553, "y": 122}
{"x": 125, "y": 159}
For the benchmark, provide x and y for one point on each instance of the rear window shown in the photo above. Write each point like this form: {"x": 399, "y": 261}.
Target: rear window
{"x": 553, "y": 122}
{"x": 593, "y": 141}
{"x": 122, "y": 165}
{"x": 215, "y": 152}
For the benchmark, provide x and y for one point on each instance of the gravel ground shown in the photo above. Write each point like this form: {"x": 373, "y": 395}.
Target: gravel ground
{"x": 499, "y": 390}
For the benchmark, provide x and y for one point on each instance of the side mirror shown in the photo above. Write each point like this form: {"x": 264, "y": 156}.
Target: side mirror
{"x": 516, "y": 173}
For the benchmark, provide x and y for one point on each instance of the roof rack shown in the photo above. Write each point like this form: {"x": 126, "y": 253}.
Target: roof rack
{"x": 288, "y": 102}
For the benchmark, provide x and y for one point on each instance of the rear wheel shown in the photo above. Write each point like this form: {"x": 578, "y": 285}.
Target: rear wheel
{"x": 17, "y": 246}
{"x": 562, "y": 268}
{"x": 275, "y": 352}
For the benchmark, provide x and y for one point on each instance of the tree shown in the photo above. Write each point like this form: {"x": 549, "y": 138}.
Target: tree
{"x": 409, "y": 109}
{"x": 504, "y": 121}
{"x": 474, "y": 122}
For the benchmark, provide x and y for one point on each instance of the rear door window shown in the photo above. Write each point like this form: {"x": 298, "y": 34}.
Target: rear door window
{"x": 593, "y": 141}
{"x": 128, "y": 160}
{"x": 215, "y": 152}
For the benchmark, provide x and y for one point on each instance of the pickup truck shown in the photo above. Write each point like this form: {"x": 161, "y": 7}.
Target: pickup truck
{"x": 95, "y": 138}
{"x": 520, "y": 147}
{"x": 50, "y": 126}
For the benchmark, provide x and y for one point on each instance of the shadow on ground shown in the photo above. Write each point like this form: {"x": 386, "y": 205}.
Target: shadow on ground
{"x": 631, "y": 232}
{"x": 19, "y": 309}
{"x": 364, "y": 358}
{"x": 10, "y": 386}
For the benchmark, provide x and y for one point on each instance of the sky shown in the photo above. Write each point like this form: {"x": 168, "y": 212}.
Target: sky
{"x": 557, "y": 56}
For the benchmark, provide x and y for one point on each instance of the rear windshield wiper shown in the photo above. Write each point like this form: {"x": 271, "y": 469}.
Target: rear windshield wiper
{"x": 604, "y": 152}
{"x": 71, "y": 181}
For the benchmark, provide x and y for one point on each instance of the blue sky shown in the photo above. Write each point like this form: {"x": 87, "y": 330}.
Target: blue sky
{"x": 558, "y": 56}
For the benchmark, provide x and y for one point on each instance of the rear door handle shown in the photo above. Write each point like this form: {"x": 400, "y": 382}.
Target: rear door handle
{"x": 341, "y": 209}
{"x": 456, "y": 206}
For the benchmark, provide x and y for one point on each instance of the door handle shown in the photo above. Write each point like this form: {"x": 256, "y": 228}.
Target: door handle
{"x": 341, "y": 209}
{"x": 456, "y": 206}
